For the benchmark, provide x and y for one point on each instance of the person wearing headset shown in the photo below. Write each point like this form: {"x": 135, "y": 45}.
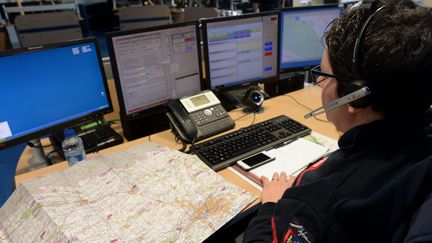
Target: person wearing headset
{"x": 376, "y": 80}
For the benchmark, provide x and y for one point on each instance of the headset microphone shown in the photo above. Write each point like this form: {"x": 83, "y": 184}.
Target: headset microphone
{"x": 364, "y": 91}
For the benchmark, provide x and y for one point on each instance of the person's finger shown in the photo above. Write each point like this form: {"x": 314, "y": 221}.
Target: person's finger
{"x": 275, "y": 176}
{"x": 283, "y": 176}
{"x": 291, "y": 180}
{"x": 264, "y": 180}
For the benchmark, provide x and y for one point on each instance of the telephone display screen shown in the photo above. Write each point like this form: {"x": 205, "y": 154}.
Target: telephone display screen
{"x": 256, "y": 159}
{"x": 200, "y": 100}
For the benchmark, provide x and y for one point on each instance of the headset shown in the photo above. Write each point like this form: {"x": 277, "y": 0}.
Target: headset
{"x": 358, "y": 92}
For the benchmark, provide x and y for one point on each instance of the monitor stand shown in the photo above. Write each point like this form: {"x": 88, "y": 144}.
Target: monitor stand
{"x": 231, "y": 99}
{"x": 154, "y": 120}
{"x": 288, "y": 82}
{"x": 249, "y": 110}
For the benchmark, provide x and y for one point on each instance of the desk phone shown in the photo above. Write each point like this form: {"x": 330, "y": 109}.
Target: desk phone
{"x": 198, "y": 116}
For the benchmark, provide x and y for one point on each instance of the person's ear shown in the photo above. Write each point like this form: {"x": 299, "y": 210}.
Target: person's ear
{"x": 353, "y": 110}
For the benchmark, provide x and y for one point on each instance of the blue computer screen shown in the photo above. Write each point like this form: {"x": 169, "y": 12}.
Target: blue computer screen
{"x": 43, "y": 88}
{"x": 301, "y": 33}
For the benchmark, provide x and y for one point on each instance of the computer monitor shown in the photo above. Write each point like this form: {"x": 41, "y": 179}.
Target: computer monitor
{"x": 48, "y": 88}
{"x": 151, "y": 67}
{"x": 240, "y": 50}
{"x": 301, "y": 35}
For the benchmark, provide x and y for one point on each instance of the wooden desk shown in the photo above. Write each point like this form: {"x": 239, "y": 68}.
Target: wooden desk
{"x": 310, "y": 97}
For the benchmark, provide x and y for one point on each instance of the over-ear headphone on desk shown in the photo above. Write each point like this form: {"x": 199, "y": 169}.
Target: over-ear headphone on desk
{"x": 357, "y": 93}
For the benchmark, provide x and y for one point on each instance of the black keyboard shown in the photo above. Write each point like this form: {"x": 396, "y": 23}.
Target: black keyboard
{"x": 227, "y": 149}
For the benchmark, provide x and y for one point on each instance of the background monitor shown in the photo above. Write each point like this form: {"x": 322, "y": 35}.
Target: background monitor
{"x": 151, "y": 67}
{"x": 347, "y": 4}
{"x": 48, "y": 88}
{"x": 301, "y": 35}
{"x": 240, "y": 50}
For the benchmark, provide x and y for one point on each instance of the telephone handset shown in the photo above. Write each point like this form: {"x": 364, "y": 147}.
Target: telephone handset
{"x": 198, "y": 116}
{"x": 181, "y": 121}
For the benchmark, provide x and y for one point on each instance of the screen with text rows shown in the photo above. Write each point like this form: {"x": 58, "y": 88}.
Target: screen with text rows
{"x": 241, "y": 50}
{"x": 156, "y": 66}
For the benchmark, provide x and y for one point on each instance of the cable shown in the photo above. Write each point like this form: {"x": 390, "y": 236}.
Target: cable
{"x": 184, "y": 145}
{"x": 112, "y": 121}
{"x": 242, "y": 116}
{"x": 253, "y": 121}
{"x": 310, "y": 109}
{"x": 189, "y": 150}
{"x": 50, "y": 160}
{"x": 290, "y": 96}
{"x": 32, "y": 145}
{"x": 50, "y": 152}
{"x": 177, "y": 139}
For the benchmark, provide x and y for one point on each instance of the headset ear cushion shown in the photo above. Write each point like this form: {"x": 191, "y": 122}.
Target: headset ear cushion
{"x": 354, "y": 86}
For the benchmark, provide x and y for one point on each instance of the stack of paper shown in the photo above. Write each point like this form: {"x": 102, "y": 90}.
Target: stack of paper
{"x": 291, "y": 158}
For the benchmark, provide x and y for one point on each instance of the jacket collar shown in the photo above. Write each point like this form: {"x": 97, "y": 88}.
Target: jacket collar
{"x": 383, "y": 134}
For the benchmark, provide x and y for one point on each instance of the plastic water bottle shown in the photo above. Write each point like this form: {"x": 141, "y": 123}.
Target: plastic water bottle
{"x": 73, "y": 147}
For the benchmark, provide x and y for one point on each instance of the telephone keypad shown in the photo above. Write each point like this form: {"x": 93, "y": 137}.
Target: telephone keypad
{"x": 208, "y": 115}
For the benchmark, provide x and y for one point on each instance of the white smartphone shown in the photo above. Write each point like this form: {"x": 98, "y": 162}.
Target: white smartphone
{"x": 255, "y": 161}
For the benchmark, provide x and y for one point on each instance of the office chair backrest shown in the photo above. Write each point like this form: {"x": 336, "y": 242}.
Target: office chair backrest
{"x": 44, "y": 28}
{"x": 9, "y": 158}
{"x": 420, "y": 229}
{"x": 136, "y": 17}
{"x": 195, "y": 13}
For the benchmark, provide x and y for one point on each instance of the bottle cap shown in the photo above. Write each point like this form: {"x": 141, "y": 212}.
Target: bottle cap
{"x": 68, "y": 132}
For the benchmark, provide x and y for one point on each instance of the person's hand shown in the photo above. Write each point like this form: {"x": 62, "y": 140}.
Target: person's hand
{"x": 274, "y": 189}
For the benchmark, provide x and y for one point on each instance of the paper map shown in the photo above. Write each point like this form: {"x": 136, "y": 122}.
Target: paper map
{"x": 148, "y": 193}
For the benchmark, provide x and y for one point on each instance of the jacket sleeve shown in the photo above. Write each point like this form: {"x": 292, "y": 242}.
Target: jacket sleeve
{"x": 289, "y": 219}
{"x": 259, "y": 228}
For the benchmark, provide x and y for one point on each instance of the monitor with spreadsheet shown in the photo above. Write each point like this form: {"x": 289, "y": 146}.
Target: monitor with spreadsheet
{"x": 48, "y": 88}
{"x": 240, "y": 50}
{"x": 301, "y": 35}
{"x": 151, "y": 67}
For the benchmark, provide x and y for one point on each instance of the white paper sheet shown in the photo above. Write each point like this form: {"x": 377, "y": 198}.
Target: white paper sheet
{"x": 291, "y": 158}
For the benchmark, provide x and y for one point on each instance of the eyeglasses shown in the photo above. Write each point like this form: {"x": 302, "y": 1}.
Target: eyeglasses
{"x": 316, "y": 73}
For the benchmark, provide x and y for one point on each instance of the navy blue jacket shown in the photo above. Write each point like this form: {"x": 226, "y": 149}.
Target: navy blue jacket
{"x": 366, "y": 191}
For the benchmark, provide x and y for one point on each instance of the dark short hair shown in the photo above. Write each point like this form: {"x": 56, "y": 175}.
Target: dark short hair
{"x": 395, "y": 55}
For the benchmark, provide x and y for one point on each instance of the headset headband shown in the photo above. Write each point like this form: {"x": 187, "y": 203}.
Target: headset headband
{"x": 355, "y": 60}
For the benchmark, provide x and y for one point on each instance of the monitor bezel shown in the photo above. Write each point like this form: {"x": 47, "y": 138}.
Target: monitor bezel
{"x": 59, "y": 127}
{"x": 297, "y": 9}
{"x": 205, "y": 56}
{"x": 153, "y": 109}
